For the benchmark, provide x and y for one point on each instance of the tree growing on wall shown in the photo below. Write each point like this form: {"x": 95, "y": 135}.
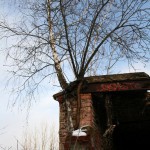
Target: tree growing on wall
{"x": 51, "y": 36}
{"x": 73, "y": 39}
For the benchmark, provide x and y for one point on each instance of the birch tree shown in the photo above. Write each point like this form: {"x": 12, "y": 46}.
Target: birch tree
{"x": 70, "y": 39}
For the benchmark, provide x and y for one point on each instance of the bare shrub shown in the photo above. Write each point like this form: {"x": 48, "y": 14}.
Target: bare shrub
{"x": 43, "y": 138}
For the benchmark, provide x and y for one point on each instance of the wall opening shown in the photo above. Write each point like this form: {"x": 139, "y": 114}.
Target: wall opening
{"x": 130, "y": 116}
{"x": 132, "y": 136}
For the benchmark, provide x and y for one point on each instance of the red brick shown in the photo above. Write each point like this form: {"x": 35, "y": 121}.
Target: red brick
{"x": 87, "y": 109}
{"x": 86, "y": 104}
{"x": 86, "y": 116}
{"x": 86, "y": 96}
{"x": 62, "y": 116}
{"x": 62, "y": 108}
{"x": 63, "y": 125}
{"x": 74, "y": 109}
{"x": 60, "y": 98}
{"x": 74, "y": 103}
{"x": 86, "y": 123}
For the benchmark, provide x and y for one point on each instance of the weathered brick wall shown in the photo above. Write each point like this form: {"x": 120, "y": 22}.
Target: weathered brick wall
{"x": 110, "y": 101}
{"x": 86, "y": 112}
{"x": 62, "y": 124}
{"x": 86, "y": 119}
{"x": 127, "y": 106}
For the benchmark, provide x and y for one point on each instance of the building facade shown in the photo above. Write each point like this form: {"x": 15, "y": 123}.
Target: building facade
{"x": 110, "y": 112}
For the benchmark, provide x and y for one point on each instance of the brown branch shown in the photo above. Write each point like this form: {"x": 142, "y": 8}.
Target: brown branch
{"x": 90, "y": 35}
{"x": 67, "y": 38}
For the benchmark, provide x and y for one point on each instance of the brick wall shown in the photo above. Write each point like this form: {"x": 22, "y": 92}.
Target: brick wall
{"x": 86, "y": 119}
{"x": 130, "y": 113}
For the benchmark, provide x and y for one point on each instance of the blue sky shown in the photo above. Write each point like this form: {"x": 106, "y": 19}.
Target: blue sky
{"x": 13, "y": 121}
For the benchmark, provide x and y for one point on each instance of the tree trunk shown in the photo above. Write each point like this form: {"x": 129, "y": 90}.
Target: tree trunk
{"x": 60, "y": 75}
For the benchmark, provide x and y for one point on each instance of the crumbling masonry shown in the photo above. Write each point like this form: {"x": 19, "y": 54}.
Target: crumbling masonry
{"x": 112, "y": 110}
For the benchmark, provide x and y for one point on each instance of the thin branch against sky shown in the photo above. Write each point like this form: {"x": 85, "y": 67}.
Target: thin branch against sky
{"x": 69, "y": 40}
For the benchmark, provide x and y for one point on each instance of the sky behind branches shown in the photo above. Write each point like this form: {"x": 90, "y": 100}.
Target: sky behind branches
{"x": 13, "y": 119}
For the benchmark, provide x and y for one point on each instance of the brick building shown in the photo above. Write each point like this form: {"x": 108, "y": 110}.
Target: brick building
{"x": 110, "y": 112}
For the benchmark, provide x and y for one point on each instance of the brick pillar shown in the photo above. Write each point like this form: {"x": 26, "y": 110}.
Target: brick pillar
{"x": 62, "y": 122}
{"x": 86, "y": 119}
{"x": 86, "y": 112}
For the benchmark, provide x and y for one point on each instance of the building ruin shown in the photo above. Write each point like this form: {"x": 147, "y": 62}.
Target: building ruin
{"x": 112, "y": 112}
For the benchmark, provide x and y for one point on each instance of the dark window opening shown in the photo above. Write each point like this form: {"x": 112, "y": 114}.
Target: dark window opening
{"x": 130, "y": 115}
{"x": 132, "y": 136}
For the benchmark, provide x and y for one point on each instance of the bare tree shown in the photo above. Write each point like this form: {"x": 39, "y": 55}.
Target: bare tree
{"x": 2, "y": 148}
{"x": 72, "y": 38}
{"x": 1, "y": 133}
{"x": 43, "y": 138}
{"x": 2, "y": 130}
